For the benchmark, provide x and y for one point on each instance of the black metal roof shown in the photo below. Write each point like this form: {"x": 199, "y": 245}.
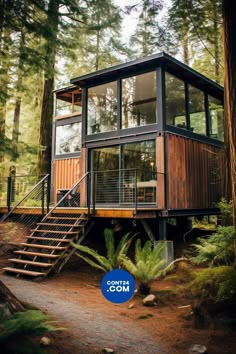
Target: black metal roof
{"x": 145, "y": 64}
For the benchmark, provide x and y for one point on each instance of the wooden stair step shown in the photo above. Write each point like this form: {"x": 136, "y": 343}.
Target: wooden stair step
{"x": 53, "y": 224}
{"x": 25, "y": 261}
{"x": 49, "y": 239}
{"x": 45, "y": 255}
{"x": 23, "y": 271}
{"x": 66, "y": 218}
{"x": 56, "y": 232}
{"x": 37, "y": 245}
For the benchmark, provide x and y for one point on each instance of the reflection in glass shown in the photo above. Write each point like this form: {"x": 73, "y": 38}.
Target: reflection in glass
{"x": 139, "y": 100}
{"x": 175, "y": 102}
{"x": 140, "y": 156}
{"x": 216, "y": 112}
{"x": 197, "y": 110}
{"x": 102, "y": 108}
{"x": 105, "y": 161}
{"x": 68, "y": 103}
{"x": 68, "y": 138}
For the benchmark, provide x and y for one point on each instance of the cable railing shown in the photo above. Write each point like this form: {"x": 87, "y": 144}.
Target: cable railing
{"x": 76, "y": 197}
{"x": 124, "y": 188}
{"x": 37, "y": 196}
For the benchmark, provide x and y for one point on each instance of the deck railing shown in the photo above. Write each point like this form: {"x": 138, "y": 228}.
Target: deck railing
{"x": 124, "y": 188}
{"x": 27, "y": 192}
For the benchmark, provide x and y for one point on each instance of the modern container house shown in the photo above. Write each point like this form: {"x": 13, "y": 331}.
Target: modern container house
{"x": 140, "y": 140}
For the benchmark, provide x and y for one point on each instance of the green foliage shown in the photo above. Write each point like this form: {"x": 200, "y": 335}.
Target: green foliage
{"x": 114, "y": 254}
{"x": 226, "y": 211}
{"x": 21, "y": 324}
{"x": 148, "y": 264}
{"x": 214, "y": 285}
{"x": 217, "y": 249}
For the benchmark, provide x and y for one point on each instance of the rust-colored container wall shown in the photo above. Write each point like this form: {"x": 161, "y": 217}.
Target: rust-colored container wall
{"x": 194, "y": 173}
{"x": 66, "y": 173}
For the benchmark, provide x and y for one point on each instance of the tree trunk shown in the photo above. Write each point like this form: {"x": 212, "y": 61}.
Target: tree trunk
{"x": 16, "y": 118}
{"x": 229, "y": 25}
{"x": 15, "y": 131}
{"x": 8, "y": 301}
{"x": 45, "y": 131}
{"x": 216, "y": 42}
{"x": 4, "y": 80}
{"x": 185, "y": 49}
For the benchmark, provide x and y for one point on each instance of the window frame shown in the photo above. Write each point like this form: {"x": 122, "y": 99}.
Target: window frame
{"x": 61, "y": 122}
{"x": 187, "y": 132}
{"x": 126, "y": 132}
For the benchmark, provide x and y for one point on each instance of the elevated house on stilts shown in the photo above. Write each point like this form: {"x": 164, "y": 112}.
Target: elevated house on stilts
{"x": 141, "y": 141}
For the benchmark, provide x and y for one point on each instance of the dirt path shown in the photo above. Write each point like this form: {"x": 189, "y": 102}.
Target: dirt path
{"x": 89, "y": 329}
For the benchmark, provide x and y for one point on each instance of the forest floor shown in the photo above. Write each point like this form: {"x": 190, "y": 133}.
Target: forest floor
{"x": 92, "y": 323}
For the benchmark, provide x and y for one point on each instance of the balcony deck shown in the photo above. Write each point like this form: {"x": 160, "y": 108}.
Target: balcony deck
{"x": 129, "y": 213}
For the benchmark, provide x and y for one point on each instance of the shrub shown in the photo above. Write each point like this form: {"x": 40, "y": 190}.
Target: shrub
{"x": 214, "y": 285}
{"x": 226, "y": 212}
{"x": 148, "y": 264}
{"x": 114, "y": 254}
{"x": 217, "y": 249}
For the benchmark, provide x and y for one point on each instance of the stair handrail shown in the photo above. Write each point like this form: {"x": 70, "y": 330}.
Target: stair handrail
{"x": 66, "y": 195}
{"x": 4, "y": 217}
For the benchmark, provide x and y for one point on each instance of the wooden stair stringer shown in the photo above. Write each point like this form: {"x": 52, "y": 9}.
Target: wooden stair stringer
{"x": 33, "y": 241}
{"x": 73, "y": 249}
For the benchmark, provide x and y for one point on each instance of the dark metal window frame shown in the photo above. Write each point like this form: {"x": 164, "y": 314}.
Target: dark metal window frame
{"x": 104, "y": 139}
{"x": 127, "y": 132}
{"x": 187, "y": 132}
{"x": 61, "y": 122}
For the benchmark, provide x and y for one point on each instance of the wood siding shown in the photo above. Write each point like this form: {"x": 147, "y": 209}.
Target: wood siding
{"x": 66, "y": 173}
{"x": 194, "y": 173}
{"x": 160, "y": 163}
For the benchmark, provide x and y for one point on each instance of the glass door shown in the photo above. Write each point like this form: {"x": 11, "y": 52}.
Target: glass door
{"x": 105, "y": 174}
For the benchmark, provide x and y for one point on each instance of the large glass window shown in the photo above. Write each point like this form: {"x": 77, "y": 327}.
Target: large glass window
{"x": 216, "y": 112}
{"x": 68, "y": 138}
{"x": 139, "y": 100}
{"x": 175, "y": 102}
{"x": 140, "y": 156}
{"x": 197, "y": 110}
{"x": 102, "y": 108}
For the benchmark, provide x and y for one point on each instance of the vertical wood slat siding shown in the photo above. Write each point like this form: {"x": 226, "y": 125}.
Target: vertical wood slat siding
{"x": 66, "y": 173}
{"x": 160, "y": 163}
{"x": 195, "y": 173}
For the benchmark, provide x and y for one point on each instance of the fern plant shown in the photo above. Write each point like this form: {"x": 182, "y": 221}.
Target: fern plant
{"x": 24, "y": 325}
{"x": 147, "y": 266}
{"x": 114, "y": 254}
{"x": 217, "y": 249}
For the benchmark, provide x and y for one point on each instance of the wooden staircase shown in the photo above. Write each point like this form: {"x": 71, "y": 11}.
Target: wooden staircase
{"x": 48, "y": 247}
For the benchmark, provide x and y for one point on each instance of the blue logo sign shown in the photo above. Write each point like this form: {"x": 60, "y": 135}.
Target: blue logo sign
{"x": 118, "y": 286}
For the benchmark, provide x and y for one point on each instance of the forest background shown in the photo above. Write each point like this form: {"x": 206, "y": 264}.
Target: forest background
{"x": 44, "y": 43}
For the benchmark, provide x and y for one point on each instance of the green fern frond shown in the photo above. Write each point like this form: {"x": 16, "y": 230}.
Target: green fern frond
{"x": 114, "y": 254}
{"x": 110, "y": 244}
{"x": 28, "y": 322}
{"x": 102, "y": 262}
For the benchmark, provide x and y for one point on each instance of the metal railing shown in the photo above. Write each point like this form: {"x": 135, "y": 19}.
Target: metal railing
{"x": 22, "y": 194}
{"x": 78, "y": 196}
{"x": 124, "y": 188}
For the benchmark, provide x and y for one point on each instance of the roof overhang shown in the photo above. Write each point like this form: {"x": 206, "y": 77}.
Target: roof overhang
{"x": 146, "y": 64}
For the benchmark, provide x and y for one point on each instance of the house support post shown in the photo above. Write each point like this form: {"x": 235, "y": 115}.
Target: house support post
{"x": 162, "y": 228}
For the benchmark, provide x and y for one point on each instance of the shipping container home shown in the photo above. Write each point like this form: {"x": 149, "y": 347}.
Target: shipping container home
{"x": 150, "y": 133}
{"x": 140, "y": 140}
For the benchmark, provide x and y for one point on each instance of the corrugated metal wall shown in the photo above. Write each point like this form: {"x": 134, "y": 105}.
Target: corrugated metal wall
{"x": 66, "y": 173}
{"x": 195, "y": 173}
